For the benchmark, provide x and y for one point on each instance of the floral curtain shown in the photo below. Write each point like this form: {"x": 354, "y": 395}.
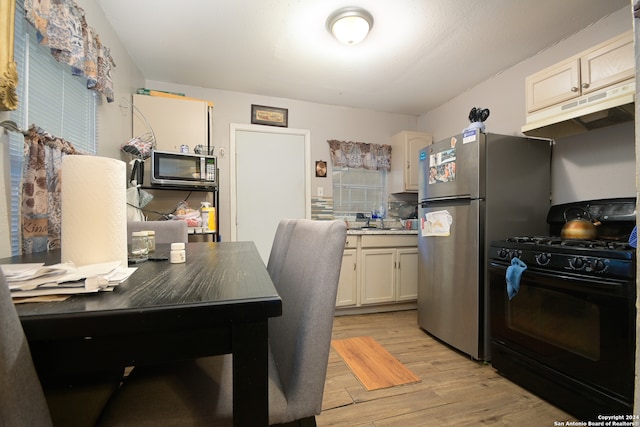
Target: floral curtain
{"x": 61, "y": 26}
{"x": 41, "y": 190}
{"x": 360, "y": 155}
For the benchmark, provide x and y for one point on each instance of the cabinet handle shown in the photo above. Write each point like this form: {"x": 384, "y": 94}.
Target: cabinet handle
{"x": 574, "y": 89}
{"x": 408, "y": 165}
{"x": 354, "y": 266}
{"x": 585, "y": 85}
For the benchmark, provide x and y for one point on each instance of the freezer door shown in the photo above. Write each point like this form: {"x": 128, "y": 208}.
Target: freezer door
{"x": 449, "y": 278}
{"x": 451, "y": 168}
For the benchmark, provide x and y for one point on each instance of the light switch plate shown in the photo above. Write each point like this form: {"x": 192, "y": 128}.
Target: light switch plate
{"x": 320, "y": 191}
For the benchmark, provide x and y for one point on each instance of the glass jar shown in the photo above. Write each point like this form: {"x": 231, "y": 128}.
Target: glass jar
{"x": 151, "y": 236}
{"x": 139, "y": 245}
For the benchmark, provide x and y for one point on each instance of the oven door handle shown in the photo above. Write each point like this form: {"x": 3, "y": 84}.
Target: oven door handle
{"x": 566, "y": 281}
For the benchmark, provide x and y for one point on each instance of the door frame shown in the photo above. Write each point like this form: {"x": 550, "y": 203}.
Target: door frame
{"x": 233, "y": 128}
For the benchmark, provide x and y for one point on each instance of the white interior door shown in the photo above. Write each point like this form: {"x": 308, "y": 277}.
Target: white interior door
{"x": 271, "y": 181}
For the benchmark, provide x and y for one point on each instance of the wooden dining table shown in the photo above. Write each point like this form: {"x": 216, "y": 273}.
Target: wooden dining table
{"x": 218, "y": 302}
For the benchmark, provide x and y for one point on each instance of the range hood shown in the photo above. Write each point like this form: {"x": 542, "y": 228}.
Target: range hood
{"x": 606, "y": 107}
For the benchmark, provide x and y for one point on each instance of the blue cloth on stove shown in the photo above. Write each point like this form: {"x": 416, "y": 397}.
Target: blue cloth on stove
{"x": 514, "y": 273}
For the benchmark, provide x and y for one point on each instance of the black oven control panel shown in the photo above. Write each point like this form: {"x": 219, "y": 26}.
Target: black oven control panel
{"x": 572, "y": 261}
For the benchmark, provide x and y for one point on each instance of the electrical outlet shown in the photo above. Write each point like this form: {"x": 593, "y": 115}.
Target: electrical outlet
{"x": 320, "y": 191}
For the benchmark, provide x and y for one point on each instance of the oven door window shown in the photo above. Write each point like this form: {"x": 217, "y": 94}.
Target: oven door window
{"x": 562, "y": 320}
{"x": 582, "y": 327}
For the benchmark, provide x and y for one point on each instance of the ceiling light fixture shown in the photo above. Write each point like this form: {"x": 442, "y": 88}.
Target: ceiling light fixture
{"x": 350, "y": 25}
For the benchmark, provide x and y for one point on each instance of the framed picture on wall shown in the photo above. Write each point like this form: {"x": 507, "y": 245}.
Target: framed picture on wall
{"x": 271, "y": 116}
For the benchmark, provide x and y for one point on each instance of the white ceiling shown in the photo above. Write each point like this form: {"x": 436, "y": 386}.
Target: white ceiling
{"x": 419, "y": 54}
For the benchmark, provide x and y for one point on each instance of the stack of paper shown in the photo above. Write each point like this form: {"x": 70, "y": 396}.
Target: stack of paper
{"x": 31, "y": 280}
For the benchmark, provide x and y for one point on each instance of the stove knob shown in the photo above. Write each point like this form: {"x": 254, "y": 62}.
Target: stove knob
{"x": 599, "y": 265}
{"x": 503, "y": 253}
{"x": 577, "y": 263}
{"x": 543, "y": 259}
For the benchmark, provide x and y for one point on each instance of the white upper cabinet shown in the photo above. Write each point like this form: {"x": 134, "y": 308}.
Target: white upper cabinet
{"x": 405, "y": 147}
{"x": 604, "y": 65}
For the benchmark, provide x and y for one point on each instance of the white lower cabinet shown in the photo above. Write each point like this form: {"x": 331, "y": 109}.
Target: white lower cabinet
{"x": 377, "y": 282}
{"x": 378, "y": 270}
{"x": 407, "y": 274}
{"x": 348, "y": 284}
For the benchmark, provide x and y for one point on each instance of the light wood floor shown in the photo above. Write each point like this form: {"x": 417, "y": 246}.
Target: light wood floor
{"x": 455, "y": 390}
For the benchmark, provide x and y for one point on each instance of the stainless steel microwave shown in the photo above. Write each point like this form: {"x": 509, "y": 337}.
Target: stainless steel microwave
{"x": 183, "y": 169}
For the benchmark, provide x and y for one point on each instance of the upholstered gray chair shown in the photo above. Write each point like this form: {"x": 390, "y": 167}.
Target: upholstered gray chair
{"x": 166, "y": 231}
{"x": 22, "y": 400}
{"x": 198, "y": 392}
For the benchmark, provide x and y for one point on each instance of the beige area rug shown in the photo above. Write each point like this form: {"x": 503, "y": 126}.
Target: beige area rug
{"x": 372, "y": 364}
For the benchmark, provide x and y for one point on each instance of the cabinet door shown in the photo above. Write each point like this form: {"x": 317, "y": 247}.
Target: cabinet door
{"x": 407, "y": 274}
{"x": 415, "y": 142}
{"x": 608, "y": 64}
{"x": 377, "y": 279}
{"x": 553, "y": 85}
{"x": 174, "y": 121}
{"x": 406, "y": 145}
{"x": 347, "y": 286}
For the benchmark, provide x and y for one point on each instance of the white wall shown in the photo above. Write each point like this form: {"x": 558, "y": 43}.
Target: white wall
{"x": 323, "y": 121}
{"x": 596, "y": 164}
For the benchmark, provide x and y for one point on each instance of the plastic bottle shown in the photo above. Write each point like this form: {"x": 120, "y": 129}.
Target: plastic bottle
{"x": 177, "y": 255}
{"x": 208, "y": 217}
{"x": 212, "y": 220}
{"x": 205, "y": 212}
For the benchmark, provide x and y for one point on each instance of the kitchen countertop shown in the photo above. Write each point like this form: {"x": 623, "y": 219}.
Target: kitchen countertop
{"x": 367, "y": 231}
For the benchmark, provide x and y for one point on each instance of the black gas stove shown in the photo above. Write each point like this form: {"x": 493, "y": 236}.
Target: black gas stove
{"x": 609, "y": 255}
{"x": 599, "y": 258}
{"x": 568, "y": 334}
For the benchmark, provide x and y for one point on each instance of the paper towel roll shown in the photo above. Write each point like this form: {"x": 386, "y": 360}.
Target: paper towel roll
{"x": 94, "y": 210}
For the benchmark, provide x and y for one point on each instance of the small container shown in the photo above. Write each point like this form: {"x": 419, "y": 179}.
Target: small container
{"x": 208, "y": 217}
{"x": 151, "y": 236}
{"x": 177, "y": 255}
{"x": 184, "y": 148}
{"x": 139, "y": 245}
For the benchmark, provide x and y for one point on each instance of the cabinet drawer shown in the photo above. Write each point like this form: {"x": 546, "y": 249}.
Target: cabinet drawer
{"x": 389, "y": 241}
{"x": 351, "y": 242}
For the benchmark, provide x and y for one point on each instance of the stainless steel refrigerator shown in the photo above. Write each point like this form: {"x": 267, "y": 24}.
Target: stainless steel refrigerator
{"x": 474, "y": 188}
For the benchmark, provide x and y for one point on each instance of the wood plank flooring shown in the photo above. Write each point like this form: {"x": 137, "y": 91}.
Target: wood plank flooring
{"x": 455, "y": 390}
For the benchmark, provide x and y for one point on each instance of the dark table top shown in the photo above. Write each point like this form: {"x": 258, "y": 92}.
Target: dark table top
{"x": 220, "y": 282}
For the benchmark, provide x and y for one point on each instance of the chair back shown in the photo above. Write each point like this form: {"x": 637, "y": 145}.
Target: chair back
{"x": 300, "y": 339}
{"x": 22, "y": 401}
{"x": 166, "y": 231}
{"x": 279, "y": 248}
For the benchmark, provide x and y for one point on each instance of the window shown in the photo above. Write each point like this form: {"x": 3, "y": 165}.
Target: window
{"x": 357, "y": 190}
{"x": 50, "y": 97}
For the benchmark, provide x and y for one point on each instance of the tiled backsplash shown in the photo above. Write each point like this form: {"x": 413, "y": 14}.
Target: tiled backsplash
{"x": 322, "y": 208}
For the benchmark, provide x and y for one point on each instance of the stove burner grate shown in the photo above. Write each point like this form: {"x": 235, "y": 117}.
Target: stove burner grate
{"x": 615, "y": 245}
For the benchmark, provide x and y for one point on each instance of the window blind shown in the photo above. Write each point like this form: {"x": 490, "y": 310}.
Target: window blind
{"x": 50, "y": 97}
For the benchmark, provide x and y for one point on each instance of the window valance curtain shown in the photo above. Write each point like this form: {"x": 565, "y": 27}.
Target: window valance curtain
{"x": 61, "y": 26}
{"x": 360, "y": 155}
{"x": 41, "y": 190}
